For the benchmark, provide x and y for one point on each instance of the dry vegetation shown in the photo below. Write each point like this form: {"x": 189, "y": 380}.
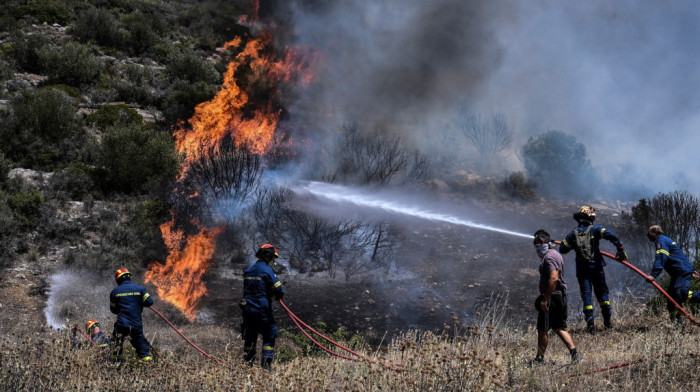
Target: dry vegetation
{"x": 490, "y": 354}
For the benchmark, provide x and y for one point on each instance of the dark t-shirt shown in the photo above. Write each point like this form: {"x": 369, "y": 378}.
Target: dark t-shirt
{"x": 550, "y": 262}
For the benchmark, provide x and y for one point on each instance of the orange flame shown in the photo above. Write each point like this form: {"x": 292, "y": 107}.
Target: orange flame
{"x": 231, "y": 113}
{"x": 179, "y": 280}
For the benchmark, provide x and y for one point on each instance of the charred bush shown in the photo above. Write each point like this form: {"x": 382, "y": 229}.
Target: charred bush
{"x": 678, "y": 213}
{"x": 374, "y": 159}
{"x": 516, "y": 185}
{"x": 314, "y": 243}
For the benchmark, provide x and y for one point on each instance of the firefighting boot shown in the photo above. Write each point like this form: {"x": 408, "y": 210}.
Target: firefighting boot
{"x": 590, "y": 321}
{"x": 606, "y": 310}
{"x": 249, "y": 357}
{"x": 267, "y": 364}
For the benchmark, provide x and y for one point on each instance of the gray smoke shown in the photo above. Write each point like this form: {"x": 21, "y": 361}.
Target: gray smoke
{"x": 620, "y": 76}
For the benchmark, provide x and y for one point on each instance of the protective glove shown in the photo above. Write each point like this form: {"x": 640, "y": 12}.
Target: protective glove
{"x": 279, "y": 296}
{"x": 621, "y": 254}
{"x": 649, "y": 278}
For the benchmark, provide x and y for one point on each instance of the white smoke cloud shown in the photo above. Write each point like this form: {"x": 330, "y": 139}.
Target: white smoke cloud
{"x": 621, "y": 76}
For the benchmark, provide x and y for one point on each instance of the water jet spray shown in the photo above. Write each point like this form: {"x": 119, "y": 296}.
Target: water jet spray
{"x": 343, "y": 194}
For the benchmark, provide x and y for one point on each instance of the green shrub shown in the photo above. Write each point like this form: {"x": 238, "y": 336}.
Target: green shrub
{"x": 98, "y": 25}
{"x": 557, "y": 163}
{"x": 26, "y": 49}
{"x": 186, "y": 65}
{"x": 41, "y": 122}
{"x": 73, "y": 64}
{"x": 5, "y": 167}
{"x": 26, "y": 207}
{"x": 49, "y": 11}
{"x": 144, "y": 32}
{"x": 117, "y": 115}
{"x": 136, "y": 159}
{"x": 73, "y": 183}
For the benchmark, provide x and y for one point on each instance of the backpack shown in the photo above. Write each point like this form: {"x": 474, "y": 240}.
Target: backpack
{"x": 584, "y": 245}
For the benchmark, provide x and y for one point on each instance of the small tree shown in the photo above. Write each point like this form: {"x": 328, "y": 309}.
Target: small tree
{"x": 557, "y": 163}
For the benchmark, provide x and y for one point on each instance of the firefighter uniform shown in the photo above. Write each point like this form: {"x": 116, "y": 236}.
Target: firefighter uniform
{"x": 260, "y": 284}
{"x": 670, "y": 257}
{"x": 127, "y": 301}
{"x": 590, "y": 273}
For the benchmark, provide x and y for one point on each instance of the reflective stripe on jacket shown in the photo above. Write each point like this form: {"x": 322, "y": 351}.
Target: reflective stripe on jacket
{"x": 127, "y": 301}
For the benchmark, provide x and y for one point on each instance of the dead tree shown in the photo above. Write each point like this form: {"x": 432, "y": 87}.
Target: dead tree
{"x": 490, "y": 138}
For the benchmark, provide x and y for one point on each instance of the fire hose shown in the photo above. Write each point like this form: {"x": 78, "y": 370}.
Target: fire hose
{"x": 361, "y": 357}
{"x": 187, "y": 340}
{"x": 661, "y": 290}
{"x": 656, "y": 285}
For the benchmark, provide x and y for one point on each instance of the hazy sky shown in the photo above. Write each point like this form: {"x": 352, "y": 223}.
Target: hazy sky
{"x": 622, "y": 76}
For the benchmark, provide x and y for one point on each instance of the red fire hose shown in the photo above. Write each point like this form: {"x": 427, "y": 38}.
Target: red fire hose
{"x": 662, "y": 291}
{"x": 187, "y": 340}
{"x": 361, "y": 357}
{"x": 77, "y": 328}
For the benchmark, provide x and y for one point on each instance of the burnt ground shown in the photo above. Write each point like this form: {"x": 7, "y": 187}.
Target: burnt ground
{"x": 442, "y": 271}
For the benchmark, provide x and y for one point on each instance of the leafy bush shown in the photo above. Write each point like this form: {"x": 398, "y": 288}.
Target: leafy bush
{"x": 144, "y": 31}
{"x": 26, "y": 207}
{"x": 186, "y": 65}
{"x": 136, "y": 159}
{"x": 108, "y": 115}
{"x": 49, "y": 11}
{"x": 98, "y": 25}
{"x": 73, "y": 64}
{"x": 39, "y": 123}
{"x": 26, "y": 49}
{"x": 557, "y": 163}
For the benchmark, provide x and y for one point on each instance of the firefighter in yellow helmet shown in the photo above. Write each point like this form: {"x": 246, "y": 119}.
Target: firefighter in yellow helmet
{"x": 585, "y": 241}
{"x": 99, "y": 338}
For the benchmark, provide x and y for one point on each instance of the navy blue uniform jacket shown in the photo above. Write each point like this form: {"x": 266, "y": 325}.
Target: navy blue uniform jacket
{"x": 597, "y": 233}
{"x": 259, "y": 284}
{"x": 670, "y": 257}
{"x": 127, "y": 301}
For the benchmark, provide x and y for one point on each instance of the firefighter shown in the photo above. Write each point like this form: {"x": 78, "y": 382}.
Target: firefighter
{"x": 127, "y": 301}
{"x": 551, "y": 304}
{"x": 99, "y": 338}
{"x": 671, "y": 258}
{"x": 260, "y": 284}
{"x": 585, "y": 241}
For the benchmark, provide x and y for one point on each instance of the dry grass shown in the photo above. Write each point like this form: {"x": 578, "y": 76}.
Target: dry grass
{"x": 487, "y": 355}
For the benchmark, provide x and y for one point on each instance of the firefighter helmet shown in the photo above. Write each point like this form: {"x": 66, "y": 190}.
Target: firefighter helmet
{"x": 267, "y": 252}
{"x": 121, "y": 273}
{"x": 91, "y": 324}
{"x": 586, "y": 213}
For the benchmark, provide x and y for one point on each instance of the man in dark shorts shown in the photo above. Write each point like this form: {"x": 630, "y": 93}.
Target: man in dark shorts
{"x": 551, "y": 303}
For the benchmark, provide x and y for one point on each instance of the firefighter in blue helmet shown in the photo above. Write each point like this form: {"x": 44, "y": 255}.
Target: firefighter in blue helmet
{"x": 585, "y": 241}
{"x": 670, "y": 257}
{"x": 260, "y": 284}
{"x": 127, "y": 301}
